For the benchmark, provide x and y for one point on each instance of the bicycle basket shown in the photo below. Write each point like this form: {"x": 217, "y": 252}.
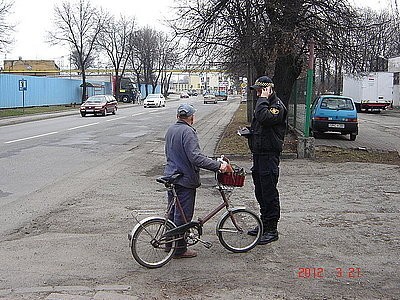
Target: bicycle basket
{"x": 235, "y": 178}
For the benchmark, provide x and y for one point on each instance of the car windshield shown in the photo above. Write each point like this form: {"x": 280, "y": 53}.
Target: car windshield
{"x": 94, "y": 101}
{"x": 337, "y": 104}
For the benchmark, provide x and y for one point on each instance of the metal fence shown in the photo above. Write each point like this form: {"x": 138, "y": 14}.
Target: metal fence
{"x": 297, "y": 105}
{"x": 42, "y": 91}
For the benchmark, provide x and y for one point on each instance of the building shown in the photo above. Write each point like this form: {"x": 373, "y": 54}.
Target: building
{"x": 31, "y": 67}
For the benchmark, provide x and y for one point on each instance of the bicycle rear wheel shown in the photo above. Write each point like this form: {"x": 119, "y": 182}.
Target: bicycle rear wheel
{"x": 233, "y": 227}
{"x": 148, "y": 246}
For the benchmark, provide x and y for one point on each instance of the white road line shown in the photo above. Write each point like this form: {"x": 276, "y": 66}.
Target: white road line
{"x": 87, "y": 125}
{"x": 141, "y": 113}
{"x": 110, "y": 120}
{"x": 31, "y": 137}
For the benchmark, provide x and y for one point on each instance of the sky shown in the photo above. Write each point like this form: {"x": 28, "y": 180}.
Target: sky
{"x": 33, "y": 18}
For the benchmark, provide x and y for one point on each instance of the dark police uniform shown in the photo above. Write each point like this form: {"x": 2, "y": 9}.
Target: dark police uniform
{"x": 268, "y": 129}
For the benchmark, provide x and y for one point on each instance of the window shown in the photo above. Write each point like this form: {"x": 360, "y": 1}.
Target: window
{"x": 337, "y": 103}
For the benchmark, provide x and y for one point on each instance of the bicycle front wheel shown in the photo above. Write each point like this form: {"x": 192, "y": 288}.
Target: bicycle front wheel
{"x": 233, "y": 227}
{"x": 149, "y": 246}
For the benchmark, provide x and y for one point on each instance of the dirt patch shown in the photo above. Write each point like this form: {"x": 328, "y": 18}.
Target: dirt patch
{"x": 339, "y": 155}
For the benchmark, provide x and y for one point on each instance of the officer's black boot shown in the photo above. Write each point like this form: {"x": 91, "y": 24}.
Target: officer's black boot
{"x": 270, "y": 232}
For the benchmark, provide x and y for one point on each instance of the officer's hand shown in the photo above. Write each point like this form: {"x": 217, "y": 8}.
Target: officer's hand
{"x": 266, "y": 92}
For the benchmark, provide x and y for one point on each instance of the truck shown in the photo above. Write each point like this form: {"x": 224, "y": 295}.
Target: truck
{"x": 128, "y": 91}
{"x": 370, "y": 92}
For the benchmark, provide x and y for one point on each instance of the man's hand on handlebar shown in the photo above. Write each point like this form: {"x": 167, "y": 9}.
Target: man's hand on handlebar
{"x": 225, "y": 167}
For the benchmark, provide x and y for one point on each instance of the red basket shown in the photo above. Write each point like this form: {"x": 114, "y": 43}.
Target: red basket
{"x": 232, "y": 179}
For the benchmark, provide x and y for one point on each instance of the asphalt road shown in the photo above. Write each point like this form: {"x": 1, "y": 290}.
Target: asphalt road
{"x": 59, "y": 151}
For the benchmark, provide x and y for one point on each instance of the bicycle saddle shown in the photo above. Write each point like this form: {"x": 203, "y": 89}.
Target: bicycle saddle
{"x": 169, "y": 179}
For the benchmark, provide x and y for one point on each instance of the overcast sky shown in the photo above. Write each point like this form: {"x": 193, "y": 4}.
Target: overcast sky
{"x": 34, "y": 18}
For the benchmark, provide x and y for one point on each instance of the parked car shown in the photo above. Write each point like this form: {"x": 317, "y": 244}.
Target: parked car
{"x": 184, "y": 95}
{"x": 210, "y": 98}
{"x": 99, "y": 104}
{"x": 334, "y": 114}
{"x": 221, "y": 95}
{"x": 192, "y": 93}
{"x": 154, "y": 100}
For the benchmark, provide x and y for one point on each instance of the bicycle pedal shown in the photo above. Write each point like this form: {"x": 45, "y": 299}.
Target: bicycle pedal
{"x": 208, "y": 245}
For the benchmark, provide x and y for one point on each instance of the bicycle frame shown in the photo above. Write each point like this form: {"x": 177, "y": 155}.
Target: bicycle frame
{"x": 201, "y": 221}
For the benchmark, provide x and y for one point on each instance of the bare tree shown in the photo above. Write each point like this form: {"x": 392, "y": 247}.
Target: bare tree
{"x": 78, "y": 25}
{"x": 151, "y": 54}
{"x": 5, "y": 27}
{"x": 264, "y": 37}
{"x": 115, "y": 42}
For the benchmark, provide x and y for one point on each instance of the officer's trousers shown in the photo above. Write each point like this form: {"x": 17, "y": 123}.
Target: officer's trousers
{"x": 265, "y": 173}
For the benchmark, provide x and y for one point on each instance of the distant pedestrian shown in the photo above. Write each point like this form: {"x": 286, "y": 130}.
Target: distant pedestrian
{"x": 183, "y": 155}
{"x": 265, "y": 139}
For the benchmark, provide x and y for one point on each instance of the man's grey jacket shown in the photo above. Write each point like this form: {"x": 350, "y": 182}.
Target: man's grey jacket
{"x": 183, "y": 154}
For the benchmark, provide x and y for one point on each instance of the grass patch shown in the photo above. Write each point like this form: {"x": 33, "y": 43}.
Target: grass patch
{"x": 231, "y": 143}
{"x": 14, "y": 112}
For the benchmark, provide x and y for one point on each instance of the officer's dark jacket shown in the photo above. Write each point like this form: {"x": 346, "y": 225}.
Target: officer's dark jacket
{"x": 268, "y": 126}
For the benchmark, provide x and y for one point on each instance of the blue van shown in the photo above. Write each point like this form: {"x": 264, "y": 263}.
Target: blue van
{"x": 332, "y": 113}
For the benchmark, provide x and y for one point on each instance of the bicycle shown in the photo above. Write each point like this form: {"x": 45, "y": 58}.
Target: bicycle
{"x": 153, "y": 241}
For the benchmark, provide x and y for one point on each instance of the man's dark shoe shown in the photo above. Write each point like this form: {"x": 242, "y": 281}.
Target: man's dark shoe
{"x": 268, "y": 237}
{"x": 187, "y": 254}
{"x": 253, "y": 232}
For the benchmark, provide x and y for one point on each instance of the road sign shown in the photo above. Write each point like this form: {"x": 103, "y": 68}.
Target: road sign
{"x": 23, "y": 86}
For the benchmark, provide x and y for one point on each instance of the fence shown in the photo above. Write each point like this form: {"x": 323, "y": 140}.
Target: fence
{"x": 43, "y": 91}
{"x": 297, "y": 104}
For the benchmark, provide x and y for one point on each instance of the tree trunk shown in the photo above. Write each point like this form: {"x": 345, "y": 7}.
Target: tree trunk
{"x": 84, "y": 88}
{"x": 287, "y": 69}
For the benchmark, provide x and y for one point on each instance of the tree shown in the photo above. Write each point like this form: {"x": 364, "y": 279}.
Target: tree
{"x": 78, "y": 25}
{"x": 264, "y": 37}
{"x": 115, "y": 42}
{"x": 151, "y": 54}
{"x": 5, "y": 27}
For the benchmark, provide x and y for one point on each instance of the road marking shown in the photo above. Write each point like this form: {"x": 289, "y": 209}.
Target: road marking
{"x": 110, "y": 120}
{"x": 138, "y": 114}
{"x": 31, "y": 137}
{"x": 82, "y": 126}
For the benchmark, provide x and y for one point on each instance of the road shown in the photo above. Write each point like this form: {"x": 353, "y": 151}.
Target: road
{"x": 58, "y": 152}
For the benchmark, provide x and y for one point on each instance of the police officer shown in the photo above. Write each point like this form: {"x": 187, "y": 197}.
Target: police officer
{"x": 266, "y": 137}
{"x": 183, "y": 155}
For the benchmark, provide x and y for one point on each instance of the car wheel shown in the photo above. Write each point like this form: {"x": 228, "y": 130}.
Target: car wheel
{"x": 353, "y": 136}
{"x": 125, "y": 99}
{"x": 83, "y": 114}
{"x": 104, "y": 112}
{"x": 114, "y": 110}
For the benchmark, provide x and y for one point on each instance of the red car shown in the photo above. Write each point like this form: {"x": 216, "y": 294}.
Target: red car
{"x": 99, "y": 104}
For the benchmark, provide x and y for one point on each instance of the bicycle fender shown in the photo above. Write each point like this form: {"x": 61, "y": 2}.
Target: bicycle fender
{"x": 137, "y": 226}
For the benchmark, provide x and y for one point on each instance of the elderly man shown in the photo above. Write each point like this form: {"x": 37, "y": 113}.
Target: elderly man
{"x": 183, "y": 154}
